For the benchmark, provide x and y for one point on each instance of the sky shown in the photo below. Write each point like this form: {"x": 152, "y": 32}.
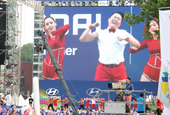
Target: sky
{"x": 27, "y": 25}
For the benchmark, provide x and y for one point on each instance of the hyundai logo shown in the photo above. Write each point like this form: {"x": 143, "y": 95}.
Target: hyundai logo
{"x": 93, "y": 92}
{"x": 52, "y": 91}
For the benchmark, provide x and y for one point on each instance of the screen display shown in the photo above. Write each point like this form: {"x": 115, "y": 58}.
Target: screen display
{"x": 81, "y": 58}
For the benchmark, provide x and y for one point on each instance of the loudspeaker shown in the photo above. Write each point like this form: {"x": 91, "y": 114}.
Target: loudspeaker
{"x": 2, "y": 33}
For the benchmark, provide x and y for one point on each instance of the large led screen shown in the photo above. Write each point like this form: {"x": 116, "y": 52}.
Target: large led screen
{"x": 81, "y": 58}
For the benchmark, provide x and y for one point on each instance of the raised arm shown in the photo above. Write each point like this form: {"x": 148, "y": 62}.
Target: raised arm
{"x": 62, "y": 29}
{"x": 86, "y": 36}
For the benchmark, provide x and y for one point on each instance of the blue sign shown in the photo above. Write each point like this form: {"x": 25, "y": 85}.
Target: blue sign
{"x": 89, "y": 89}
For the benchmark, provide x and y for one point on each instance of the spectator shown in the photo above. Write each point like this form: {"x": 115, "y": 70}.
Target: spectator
{"x": 30, "y": 101}
{"x": 140, "y": 107}
{"x": 159, "y": 106}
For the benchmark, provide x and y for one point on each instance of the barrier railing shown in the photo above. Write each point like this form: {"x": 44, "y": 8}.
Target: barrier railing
{"x": 123, "y": 102}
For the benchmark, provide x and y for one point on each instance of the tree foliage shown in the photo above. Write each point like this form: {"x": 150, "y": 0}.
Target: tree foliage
{"x": 27, "y": 52}
{"x": 149, "y": 10}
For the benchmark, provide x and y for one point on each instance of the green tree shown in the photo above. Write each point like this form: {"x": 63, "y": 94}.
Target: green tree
{"x": 27, "y": 52}
{"x": 149, "y": 10}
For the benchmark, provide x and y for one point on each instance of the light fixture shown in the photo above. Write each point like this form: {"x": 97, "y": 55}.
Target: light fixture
{"x": 50, "y": 3}
{"x": 90, "y": 3}
{"x": 39, "y": 48}
{"x": 56, "y": 4}
{"x": 111, "y": 3}
{"x": 64, "y": 3}
{"x": 10, "y": 35}
{"x": 77, "y": 3}
{"x": 117, "y": 2}
{"x": 69, "y": 3}
{"x": 123, "y": 2}
{"x": 83, "y": 3}
{"x": 10, "y": 52}
{"x": 11, "y": 15}
{"x": 8, "y": 44}
{"x": 95, "y": 3}
{"x": 42, "y": 3}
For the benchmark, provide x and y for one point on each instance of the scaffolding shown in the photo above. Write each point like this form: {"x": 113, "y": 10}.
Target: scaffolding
{"x": 13, "y": 38}
{"x": 119, "y": 106}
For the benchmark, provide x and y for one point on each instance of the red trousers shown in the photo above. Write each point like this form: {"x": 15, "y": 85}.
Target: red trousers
{"x": 94, "y": 105}
{"x": 104, "y": 73}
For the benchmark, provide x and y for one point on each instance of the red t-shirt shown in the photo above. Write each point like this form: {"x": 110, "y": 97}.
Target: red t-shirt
{"x": 102, "y": 104}
{"x": 82, "y": 102}
{"x": 66, "y": 101}
{"x": 50, "y": 101}
{"x": 55, "y": 102}
{"x": 159, "y": 104}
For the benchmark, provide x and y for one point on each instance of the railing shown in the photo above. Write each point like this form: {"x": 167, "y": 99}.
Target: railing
{"x": 108, "y": 92}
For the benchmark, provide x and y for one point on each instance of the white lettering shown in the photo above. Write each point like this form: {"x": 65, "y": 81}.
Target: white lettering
{"x": 98, "y": 19}
{"x": 76, "y": 17}
{"x": 70, "y": 51}
{"x": 77, "y": 26}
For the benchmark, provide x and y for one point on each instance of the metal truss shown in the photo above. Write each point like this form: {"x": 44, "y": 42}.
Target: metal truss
{"x": 36, "y": 5}
{"x": 13, "y": 28}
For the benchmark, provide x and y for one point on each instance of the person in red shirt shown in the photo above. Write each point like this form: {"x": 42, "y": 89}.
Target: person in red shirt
{"x": 55, "y": 102}
{"x": 56, "y": 41}
{"x": 87, "y": 103}
{"x": 50, "y": 104}
{"x": 153, "y": 66}
{"x": 81, "y": 103}
{"x": 159, "y": 106}
{"x": 101, "y": 104}
{"x": 134, "y": 105}
{"x": 65, "y": 102}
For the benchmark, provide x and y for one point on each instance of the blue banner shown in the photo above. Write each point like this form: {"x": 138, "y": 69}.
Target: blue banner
{"x": 84, "y": 89}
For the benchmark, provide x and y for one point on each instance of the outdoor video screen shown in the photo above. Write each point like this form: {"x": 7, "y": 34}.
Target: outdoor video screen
{"x": 81, "y": 59}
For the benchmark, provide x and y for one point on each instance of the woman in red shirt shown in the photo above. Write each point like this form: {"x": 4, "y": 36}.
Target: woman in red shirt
{"x": 55, "y": 102}
{"x": 152, "y": 68}
{"x": 56, "y": 40}
{"x": 87, "y": 103}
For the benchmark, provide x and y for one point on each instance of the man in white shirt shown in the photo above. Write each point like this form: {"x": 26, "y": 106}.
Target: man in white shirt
{"x": 8, "y": 99}
{"x": 93, "y": 103}
{"x": 111, "y": 45}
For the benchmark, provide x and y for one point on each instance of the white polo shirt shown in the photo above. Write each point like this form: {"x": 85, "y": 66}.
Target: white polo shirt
{"x": 111, "y": 50}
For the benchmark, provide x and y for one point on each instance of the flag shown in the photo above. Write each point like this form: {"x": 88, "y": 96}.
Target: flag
{"x": 164, "y": 78}
{"x": 163, "y": 86}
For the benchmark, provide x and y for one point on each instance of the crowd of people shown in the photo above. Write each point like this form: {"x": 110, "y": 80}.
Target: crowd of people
{"x": 84, "y": 108}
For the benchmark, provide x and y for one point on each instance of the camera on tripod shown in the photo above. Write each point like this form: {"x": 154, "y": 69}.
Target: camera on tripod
{"x": 119, "y": 86}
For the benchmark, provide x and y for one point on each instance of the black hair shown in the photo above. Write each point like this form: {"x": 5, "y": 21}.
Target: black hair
{"x": 49, "y": 17}
{"x": 121, "y": 13}
{"x": 141, "y": 94}
{"x": 129, "y": 78}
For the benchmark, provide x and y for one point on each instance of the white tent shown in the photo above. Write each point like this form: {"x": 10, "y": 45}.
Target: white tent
{"x": 22, "y": 101}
